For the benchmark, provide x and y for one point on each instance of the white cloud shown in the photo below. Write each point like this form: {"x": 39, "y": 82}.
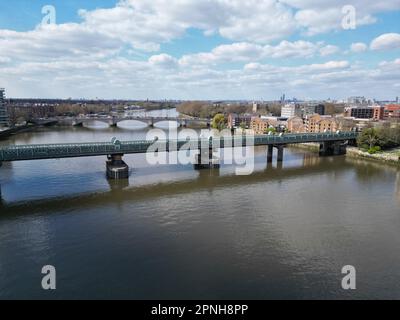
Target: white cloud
{"x": 297, "y": 49}
{"x": 4, "y": 59}
{"x": 56, "y": 42}
{"x": 298, "y": 72}
{"x": 317, "y": 22}
{"x": 329, "y": 50}
{"x": 386, "y": 41}
{"x": 242, "y": 51}
{"x": 121, "y": 77}
{"x": 245, "y": 52}
{"x": 163, "y": 60}
{"x": 358, "y": 47}
{"x": 257, "y": 21}
{"x": 390, "y": 64}
{"x": 145, "y": 25}
{"x": 316, "y": 16}
{"x": 327, "y": 66}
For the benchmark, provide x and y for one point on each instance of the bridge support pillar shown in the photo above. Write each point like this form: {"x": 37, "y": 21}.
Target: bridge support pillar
{"x": 280, "y": 152}
{"x": 340, "y": 148}
{"x": 332, "y": 148}
{"x": 325, "y": 149}
{"x": 206, "y": 160}
{"x": 116, "y": 167}
{"x": 352, "y": 142}
{"x": 270, "y": 153}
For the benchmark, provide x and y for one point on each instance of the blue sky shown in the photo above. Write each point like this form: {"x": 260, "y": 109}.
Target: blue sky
{"x": 189, "y": 49}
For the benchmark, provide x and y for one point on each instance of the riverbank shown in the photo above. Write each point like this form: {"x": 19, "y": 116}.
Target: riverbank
{"x": 389, "y": 156}
{"x": 8, "y": 132}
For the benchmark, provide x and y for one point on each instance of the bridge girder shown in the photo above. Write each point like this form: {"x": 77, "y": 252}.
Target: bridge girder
{"x": 55, "y": 151}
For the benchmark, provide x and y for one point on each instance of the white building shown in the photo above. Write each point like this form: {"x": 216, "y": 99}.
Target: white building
{"x": 4, "y": 120}
{"x": 290, "y": 110}
{"x": 255, "y": 107}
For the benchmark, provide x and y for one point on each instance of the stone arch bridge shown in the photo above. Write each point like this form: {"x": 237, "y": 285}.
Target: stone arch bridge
{"x": 149, "y": 121}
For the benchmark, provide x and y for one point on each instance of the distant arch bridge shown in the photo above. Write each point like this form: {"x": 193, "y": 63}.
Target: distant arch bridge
{"x": 113, "y": 121}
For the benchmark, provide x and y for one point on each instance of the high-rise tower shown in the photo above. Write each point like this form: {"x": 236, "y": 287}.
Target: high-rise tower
{"x": 4, "y": 120}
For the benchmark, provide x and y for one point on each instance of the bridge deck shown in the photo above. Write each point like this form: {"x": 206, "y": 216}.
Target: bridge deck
{"x": 69, "y": 150}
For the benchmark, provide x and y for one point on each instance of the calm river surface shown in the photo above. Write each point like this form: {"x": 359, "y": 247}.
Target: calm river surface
{"x": 175, "y": 233}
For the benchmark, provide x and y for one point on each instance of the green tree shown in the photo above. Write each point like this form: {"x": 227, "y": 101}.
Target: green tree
{"x": 385, "y": 137}
{"x": 389, "y": 137}
{"x": 270, "y": 129}
{"x": 219, "y": 122}
{"x": 369, "y": 138}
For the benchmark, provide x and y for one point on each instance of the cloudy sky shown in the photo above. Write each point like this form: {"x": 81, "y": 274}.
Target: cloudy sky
{"x": 200, "y": 49}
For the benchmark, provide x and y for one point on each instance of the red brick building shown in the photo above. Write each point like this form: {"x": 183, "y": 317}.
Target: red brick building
{"x": 392, "y": 111}
{"x": 378, "y": 113}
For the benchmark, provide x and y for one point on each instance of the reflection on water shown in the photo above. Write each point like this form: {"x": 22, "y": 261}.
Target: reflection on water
{"x": 172, "y": 232}
{"x": 398, "y": 185}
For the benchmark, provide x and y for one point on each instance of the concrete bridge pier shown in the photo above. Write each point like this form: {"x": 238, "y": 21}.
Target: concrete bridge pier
{"x": 352, "y": 143}
{"x": 117, "y": 169}
{"x": 280, "y": 152}
{"x": 332, "y": 148}
{"x": 340, "y": 148}
{"x": 270, "y": 153}
{"x": 206, "y": 160}
{"x": 151, "y": 123}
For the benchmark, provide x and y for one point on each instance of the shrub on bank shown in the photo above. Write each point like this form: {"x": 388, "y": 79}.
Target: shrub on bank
{"x": 374, "y": 150}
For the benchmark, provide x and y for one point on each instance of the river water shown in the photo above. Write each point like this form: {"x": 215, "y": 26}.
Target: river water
{"x": 171, "y": 232}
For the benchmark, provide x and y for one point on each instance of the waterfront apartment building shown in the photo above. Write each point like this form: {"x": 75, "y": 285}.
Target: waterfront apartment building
{"x": 317, "y": 123}
{"x": 259, "y": 125}
{"x": 296, "y": 125}
{"x": 4, "y": 120}
{"x": 236, "y": 121}
{"x": 327, "y": 124}
{"x": 291, "y": 110}
{"x": 392, "y": 111}
{"x": 379, "y": 113}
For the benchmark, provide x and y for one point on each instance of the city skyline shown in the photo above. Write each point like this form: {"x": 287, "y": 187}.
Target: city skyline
{"x": 233, "y": 50}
